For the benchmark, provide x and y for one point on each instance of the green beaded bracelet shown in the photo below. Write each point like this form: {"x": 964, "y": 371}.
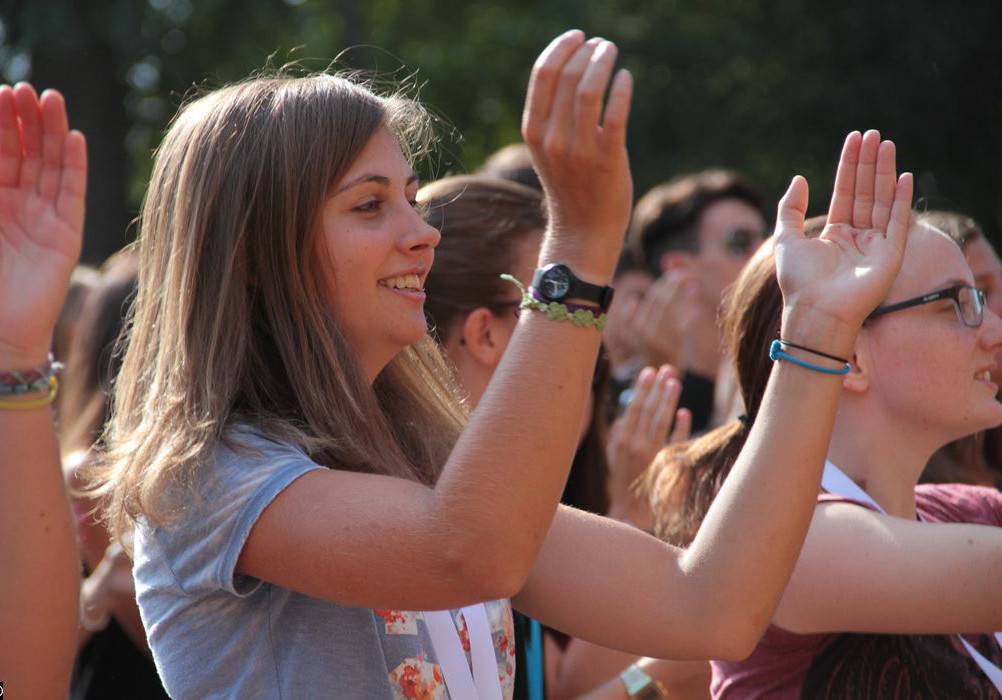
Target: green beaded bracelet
{"x": 555, "y": 311}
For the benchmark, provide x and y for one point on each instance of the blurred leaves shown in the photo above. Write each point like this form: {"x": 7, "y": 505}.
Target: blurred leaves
{"x": 768, "y": 88}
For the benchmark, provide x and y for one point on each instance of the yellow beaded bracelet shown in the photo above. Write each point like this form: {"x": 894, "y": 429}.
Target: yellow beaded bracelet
{"x": 35, "y": 403}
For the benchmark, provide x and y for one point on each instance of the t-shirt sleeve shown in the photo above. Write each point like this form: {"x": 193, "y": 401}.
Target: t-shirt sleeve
{"x": 232, "y": 491}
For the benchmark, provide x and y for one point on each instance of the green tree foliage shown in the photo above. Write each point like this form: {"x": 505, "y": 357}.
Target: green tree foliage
{"x": 767, "y": 88}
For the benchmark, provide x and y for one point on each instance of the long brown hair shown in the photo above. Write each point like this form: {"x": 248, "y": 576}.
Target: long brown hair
{"x": 93, "y": 362}
{"x": 684, "y": 478}
{"x": 230, "y": 321}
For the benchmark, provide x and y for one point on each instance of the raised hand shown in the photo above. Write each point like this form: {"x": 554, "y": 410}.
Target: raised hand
{"x": 638, "y": 435}
{"x": 846, "y": 271}
{"x": 579, "y": 151}
{"x": 43, "y": 168}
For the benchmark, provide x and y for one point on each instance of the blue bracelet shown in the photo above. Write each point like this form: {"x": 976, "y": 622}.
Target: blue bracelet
{"x": 776, "y": 353}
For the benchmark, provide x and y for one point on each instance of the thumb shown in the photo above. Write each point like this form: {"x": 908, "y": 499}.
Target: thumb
{"x": 792, "y": 210}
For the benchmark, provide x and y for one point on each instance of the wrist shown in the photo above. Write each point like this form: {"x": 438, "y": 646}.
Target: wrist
{"x": 591, "y": 260}
{"x": 18, "y": 359}
{"x": 819, "y": 329}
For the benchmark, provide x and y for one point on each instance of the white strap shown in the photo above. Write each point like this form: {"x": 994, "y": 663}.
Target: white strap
{"x": 483, "y": 683}
{"x": 836, "y": 482}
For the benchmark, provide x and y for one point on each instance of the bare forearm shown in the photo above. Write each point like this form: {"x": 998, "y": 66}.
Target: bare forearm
{"x": 506, "y": 473}
{"x": 744, "y": 553}
{"x": 39, "y": 592}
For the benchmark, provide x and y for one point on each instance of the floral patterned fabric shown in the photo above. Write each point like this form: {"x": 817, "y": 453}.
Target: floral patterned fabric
{"x": 419, "y": 677}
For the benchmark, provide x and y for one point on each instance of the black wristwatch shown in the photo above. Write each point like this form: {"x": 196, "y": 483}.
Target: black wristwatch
{"x": 556, "y": 282}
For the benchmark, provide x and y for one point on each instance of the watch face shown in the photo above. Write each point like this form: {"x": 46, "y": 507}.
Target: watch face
{"x": 556, "y": 283}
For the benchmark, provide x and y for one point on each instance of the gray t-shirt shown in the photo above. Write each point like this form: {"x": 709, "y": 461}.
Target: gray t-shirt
{"x": 215, "y": 634}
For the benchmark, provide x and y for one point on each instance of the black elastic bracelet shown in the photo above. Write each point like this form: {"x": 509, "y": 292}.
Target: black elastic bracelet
{"x": 815, "y": 352}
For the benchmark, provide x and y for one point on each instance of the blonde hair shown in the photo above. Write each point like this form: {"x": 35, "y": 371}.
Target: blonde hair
{"x": 230, "y": 322}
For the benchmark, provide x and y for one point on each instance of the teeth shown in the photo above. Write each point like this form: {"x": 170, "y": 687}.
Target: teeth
{"x": 411, "y": 282}
{"x": 986, "y": 375}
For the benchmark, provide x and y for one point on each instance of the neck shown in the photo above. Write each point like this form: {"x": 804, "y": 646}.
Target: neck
{"x": 884, "y": 458}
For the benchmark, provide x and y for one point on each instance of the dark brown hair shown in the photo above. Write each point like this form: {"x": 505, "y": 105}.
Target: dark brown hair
{"x": 92, "y": 363}
{"x": 483, "y": 220}
{"x": 667, "y": 217}
{"x": 512, "y": 162}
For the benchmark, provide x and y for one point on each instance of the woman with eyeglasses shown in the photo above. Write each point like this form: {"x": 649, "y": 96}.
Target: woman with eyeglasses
{"x": 891, "y": 573}
{"x": 975, "y": 459}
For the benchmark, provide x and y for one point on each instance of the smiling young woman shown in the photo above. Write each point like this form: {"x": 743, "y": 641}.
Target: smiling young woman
{"x": 314, "y": 514}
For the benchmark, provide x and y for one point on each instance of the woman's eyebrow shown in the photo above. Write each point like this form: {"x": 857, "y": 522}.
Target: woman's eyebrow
{"x": 378, "y": 179}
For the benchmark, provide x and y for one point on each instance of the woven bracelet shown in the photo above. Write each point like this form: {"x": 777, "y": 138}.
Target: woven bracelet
{"x": 580, "y": 315}
{"x": 29, "y": 381}
{"x": 53, "y": 387}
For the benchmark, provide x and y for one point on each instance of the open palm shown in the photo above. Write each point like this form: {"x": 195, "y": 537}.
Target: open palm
{"x": 43, "y": 168}
{"x": 847, "y": 270}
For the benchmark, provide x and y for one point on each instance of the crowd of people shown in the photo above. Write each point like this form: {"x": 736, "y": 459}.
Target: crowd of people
{"x": 325, "y": 431}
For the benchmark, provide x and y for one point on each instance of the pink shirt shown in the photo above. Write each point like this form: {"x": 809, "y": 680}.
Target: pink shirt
{"x": 787, "y": 665}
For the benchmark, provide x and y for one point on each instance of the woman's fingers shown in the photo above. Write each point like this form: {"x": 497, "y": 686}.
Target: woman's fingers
{"x": 10, "y": 140}
{"x": 543, "y": 82}
{"x": 901, "y": 209}
{"x": 683, "y": 426}
{"x": 559, "y": 133}
{"x": 617, "y": 110}
{"x": 663, "y": 412}
{"x": 884, "y": 185}
{"x": 862, "y": 207}
{"x": 840, "y": 211}
{"x": 54, "y": 130}
{"x": 641, "y": 389}
{"x": 591, "y": 90}
{"x": 30, "y": 119}
{"x": 792, "y": 210}
{"x": 73, "y": 181}
{"x": 653, "y": 414}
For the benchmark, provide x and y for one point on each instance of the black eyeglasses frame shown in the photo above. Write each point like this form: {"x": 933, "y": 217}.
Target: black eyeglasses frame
{"x": 948, "y": 293}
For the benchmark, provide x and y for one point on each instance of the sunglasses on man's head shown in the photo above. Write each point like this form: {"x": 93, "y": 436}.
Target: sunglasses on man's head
{"x": 970, "y": 303}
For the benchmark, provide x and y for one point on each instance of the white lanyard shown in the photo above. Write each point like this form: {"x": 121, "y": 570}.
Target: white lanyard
{"x": 836, "y": 482}
{"x": 484, "y": 683}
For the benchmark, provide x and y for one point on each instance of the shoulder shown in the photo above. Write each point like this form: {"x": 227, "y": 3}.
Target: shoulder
{"x": 959, "y": 503}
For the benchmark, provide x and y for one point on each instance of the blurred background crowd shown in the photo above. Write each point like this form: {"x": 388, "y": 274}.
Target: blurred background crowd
{"x": 712, "y": 146}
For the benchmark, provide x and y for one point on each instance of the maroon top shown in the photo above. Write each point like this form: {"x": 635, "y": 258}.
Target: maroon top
{"x": 787, "y": 665}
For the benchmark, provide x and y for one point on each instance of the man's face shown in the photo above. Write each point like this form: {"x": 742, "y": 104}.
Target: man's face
{"x": 729, "y": 231}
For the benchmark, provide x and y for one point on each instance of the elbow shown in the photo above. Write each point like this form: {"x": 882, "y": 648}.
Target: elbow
{"x": 736, "y": 649}
{"x": 484, "y": 568}
{"x": 733, "y": 633}
{"x": 737, "y": 640}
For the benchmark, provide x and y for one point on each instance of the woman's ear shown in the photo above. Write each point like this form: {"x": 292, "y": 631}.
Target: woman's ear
{"x": 484, "y": 336}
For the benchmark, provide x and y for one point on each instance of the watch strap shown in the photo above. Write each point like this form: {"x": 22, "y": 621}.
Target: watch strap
{"x": 597, "y": 294}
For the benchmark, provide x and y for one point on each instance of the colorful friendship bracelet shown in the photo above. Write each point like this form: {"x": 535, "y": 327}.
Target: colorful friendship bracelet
{"x": 29, "y": 381}
{"x": 53, "y": 386}
{"x": 580, "y": 315}
{"x": 776, "y": 353}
